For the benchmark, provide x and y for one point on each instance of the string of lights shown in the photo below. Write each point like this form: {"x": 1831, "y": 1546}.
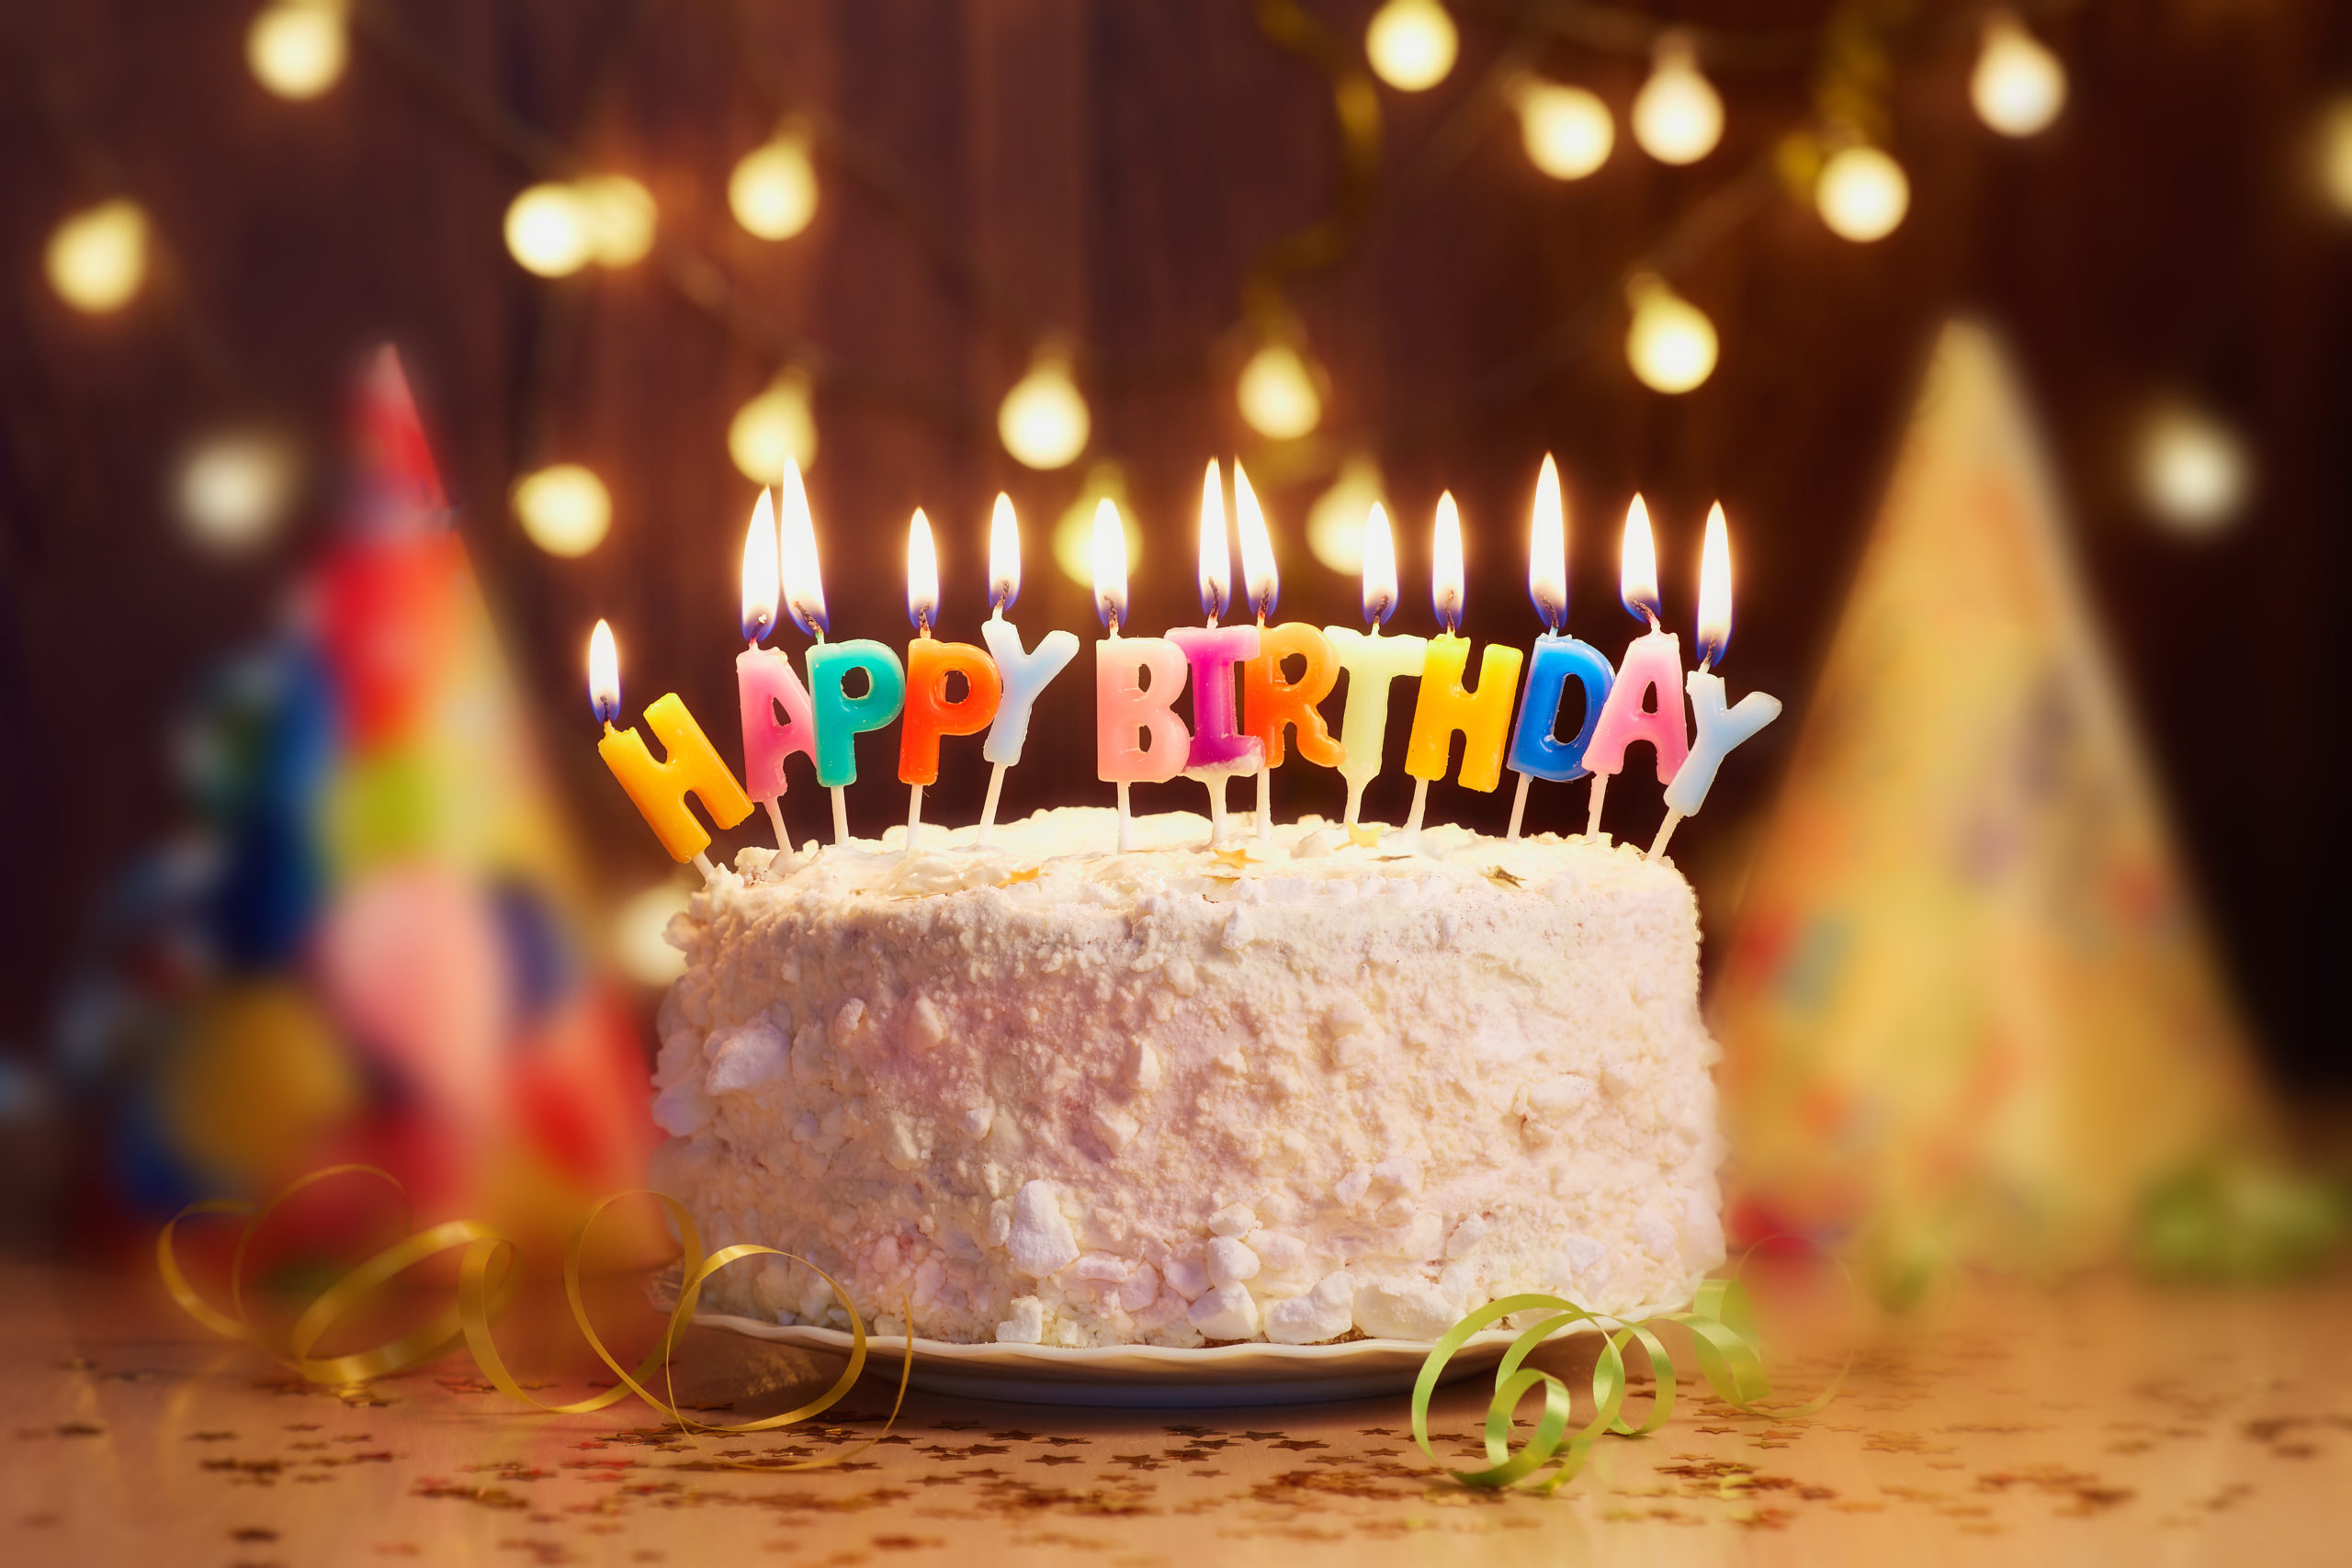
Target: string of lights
{"x": 572, "y": 216}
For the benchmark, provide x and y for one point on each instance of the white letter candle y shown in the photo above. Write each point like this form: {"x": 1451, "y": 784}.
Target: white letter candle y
{"x": 1719, "y": 729}
{"x": 1025, "y": 674}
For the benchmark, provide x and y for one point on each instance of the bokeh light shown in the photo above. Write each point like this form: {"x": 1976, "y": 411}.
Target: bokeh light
{"x": 1567, "y": 131}
{"x": 1335, "y": 523}
{"x": 1671, "y": 343}
{"x": 236, "y": 490}
{"x": 1043, "y": 421}
{"x": 640, "y": 934}
{"x": 547, "y": 230}
{"x": 1412, "y": 44}
{"x": 1278, "y": 395}
{"x": 1678, "y": 117}
{"x": 98, "y": 257}
{"x": 297, "y": 48}
{"x": 619, "y": 219}
{"x": 2194, "y": 473}
{"x": 773, "y": 191}
{"x": 777, "y": 426}
{"x": 1074, "y": 530}
{"x": 564, "y": 508}
{"x": 1862, "y": 194}
{"x": 2018, "y": 85}
{"x": 2335, "y": 154}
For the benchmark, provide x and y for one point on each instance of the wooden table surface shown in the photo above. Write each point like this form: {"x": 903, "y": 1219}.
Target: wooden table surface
{"x": 2110, "y": 1421}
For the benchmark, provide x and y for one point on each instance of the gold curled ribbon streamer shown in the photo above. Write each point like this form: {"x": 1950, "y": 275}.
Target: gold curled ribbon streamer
{"x": 1722, "y": 1331}
{"x": 489, "y": 1277}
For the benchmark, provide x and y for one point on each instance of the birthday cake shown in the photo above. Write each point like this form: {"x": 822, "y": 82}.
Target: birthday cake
{"x": 1303, "y": 1089}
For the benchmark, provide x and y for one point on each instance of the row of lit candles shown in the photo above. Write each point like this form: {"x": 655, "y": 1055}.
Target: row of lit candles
{"x": 1140, "y": 736}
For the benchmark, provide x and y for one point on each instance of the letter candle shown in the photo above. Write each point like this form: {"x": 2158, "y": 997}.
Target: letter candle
{"x": 659, "y": 789}
{"x": 1536, "y": 751}
{"x": 1025, "y": 674}
{"x": 1219, "y": 748}
{"x": 838, "y": 718}
{"x": 930, "y": 663}
{"x": 1271, "y": 704}
{"x": 1443, "y": 708}
{"x": 764, "y": 682}
{"x": 1371, "y": 662}
{"x": 1652, "y": 663}
{"x": 1137, "y": 681}
{"x": 1719, "y": 731}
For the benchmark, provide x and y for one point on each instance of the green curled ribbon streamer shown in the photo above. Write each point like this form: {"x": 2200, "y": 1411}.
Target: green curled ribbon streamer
{"x": 1722, "y": 1331}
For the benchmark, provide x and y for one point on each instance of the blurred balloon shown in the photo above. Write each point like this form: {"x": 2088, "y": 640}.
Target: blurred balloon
{"x": 259, "y": 1079}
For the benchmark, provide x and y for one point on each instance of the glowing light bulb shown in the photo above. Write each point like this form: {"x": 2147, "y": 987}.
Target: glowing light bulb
{"x": 1677, "y": 116}
{"x": 1110, "y": 564}
{"x": 1567, "y": 131}
{"x": 773, "y": 191}
{"x": 548, "y": 231}
{"x": 1335, "y": 524}
{"x": 760, "y": 580}
{"x": 1862, "y": 194}
{"x": 2335, "y": 154}
{"x": 2194, "y": 472}
{"x": 1277, "y": 394}
{"x": 98, "y": 258}
{"x": 620, "y": 217}
{"x": 1637, "y": 564}
{"x": 776, "y": 427}
{"x": 564, "y": 509}
{"x": 795, "y": 539}
{"x": 1671, "y": 344}
{"x": 1043, "y": 421}
{"x": 1260, "y": 577}
{"x": 1547, "y": 549}
{"x": 1004, "y": 555}
{"x": 2019, "y": 87}
{"x": 1715, "y": 587}
{"x": 604, "y": 673}
{"x": 1412, "y": 44}
{"x": 1379, "y": 567}
{"x": 236, "y": 490}
{"x": 297, "y": 48}
{"x": 640, "y": 935}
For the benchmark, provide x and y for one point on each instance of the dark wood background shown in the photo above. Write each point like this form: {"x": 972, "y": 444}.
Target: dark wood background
{"x": 1108, "y": 171}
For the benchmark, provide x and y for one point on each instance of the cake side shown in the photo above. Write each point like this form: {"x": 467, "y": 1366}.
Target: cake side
{"x": 1045, "y": 1091}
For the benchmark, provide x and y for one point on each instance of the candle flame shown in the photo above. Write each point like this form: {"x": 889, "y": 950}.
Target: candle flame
{"x": 1715, "y": 589}
{"x": 1379, "y": 568}
{"x": 760, "y": 578}
{"x": 1216, "y": 546}
{"x": 1110, "y": 565}
{"x": 1445, "y": 566}
{"x": 922, "y": 574}
{"x": 1260, "y": 579}
{"x": 604, "y": 673}
{"x": 1547, "y": 549}
{"x": 804, "y": 589}
{"x": 1004, "y": 556}
{"x": 1637, "y": 565}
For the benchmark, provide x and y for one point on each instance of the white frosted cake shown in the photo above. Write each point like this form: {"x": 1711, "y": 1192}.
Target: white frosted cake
{"x": 1299, "y": 1091}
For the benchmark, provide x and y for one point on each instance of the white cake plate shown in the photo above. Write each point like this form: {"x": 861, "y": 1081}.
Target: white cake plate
{"x": 1147, "y": 1376}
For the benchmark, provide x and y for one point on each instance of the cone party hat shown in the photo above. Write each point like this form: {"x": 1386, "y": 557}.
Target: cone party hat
{"x": 1970, "y": 1000}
